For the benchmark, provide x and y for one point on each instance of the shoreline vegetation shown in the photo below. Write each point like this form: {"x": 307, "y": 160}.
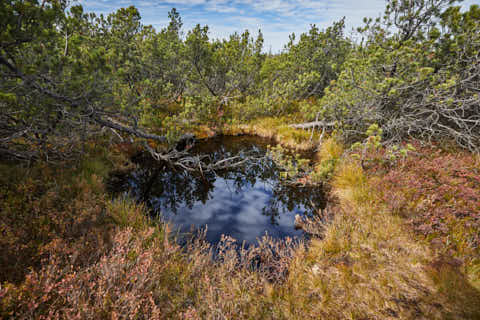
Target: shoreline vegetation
{"x": 80, "y": 254}
{"x": 397, "y": 144}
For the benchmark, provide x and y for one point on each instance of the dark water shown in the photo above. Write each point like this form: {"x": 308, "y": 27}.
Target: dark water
{"x": 245, "y": 203}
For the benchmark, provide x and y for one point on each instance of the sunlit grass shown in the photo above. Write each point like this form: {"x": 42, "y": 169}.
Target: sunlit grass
{"x": 126, "y": 213}
{"x": 327, "y": 158}
{"x": 277, "y": 130}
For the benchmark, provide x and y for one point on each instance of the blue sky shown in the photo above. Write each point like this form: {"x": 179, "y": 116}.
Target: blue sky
{"x": 276, "y": 18}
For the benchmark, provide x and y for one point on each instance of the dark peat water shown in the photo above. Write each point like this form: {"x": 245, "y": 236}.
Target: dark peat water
{"x": 246, "y": 202}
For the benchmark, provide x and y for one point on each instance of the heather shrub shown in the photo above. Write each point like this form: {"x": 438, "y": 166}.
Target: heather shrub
{"x": 35, "y": 213}
{"x": 372, "y": 152}
{"x": 148, "y": 276}
{"x": 438, "y": 191}
{"x": 438, "y": 194}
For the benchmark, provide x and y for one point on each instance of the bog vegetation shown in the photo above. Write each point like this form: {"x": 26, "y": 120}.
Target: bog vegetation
{"x": 393, "y": 113}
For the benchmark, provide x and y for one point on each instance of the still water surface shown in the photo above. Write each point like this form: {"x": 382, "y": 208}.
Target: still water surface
{"x": 245, "y": 203}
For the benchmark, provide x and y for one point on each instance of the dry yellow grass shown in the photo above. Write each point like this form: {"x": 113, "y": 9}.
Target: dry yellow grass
{"x": 329, "y": 149}
{"x": 369, "y": 266}
{"x": 278, "y": 131}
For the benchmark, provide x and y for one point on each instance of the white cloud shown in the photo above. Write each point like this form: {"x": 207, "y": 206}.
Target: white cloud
{"x": 276, "y": 18}
{"x": 279, "y": 18}
{"x": 182, "y": 2}
{"x": 223, "y": 8}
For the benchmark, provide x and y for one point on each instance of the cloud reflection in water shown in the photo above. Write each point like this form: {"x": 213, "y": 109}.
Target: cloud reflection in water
{"x": 245, "y": 203}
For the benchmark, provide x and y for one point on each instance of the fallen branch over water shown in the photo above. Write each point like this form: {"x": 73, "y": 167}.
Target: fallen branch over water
{"x": 201, "y": 163}
{"x": 313, "y": 124}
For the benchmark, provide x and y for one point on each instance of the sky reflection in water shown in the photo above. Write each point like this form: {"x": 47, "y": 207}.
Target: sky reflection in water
{"x": 245, "y": 203}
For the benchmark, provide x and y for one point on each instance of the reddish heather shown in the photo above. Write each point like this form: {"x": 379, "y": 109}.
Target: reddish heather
{"x": 439, "y": 194}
